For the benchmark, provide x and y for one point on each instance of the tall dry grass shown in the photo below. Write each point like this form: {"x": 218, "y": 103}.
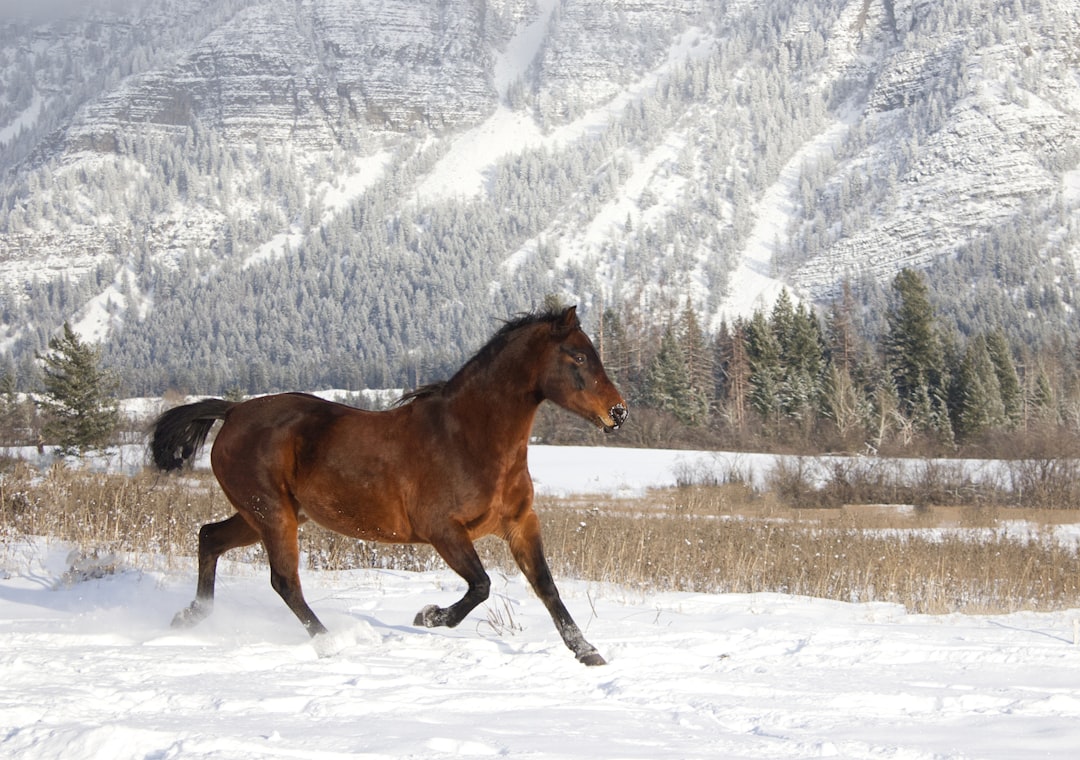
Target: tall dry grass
{"x": 715, "y": 538}
{"x": 971, "y": 565}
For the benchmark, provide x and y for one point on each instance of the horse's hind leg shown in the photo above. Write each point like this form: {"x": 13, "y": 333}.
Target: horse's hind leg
{"x": 458, "y": 552}
{"x": 214, "y": 540}
{"x": 528, "y": 551}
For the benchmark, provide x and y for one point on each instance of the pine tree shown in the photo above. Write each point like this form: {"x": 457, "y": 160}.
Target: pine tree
{"x": 666, "y": 381}
{"x": 978, "y": 393}
{"x": 915, "y": 354}
{"x": 1008, "y": 383}
{"x": 16, "y": 413}
{"x": 612, "y": 345}
{"x": 699, "y": 366}
{"x": 1043, "y": 402}
{"x": 763, "y": 352}
{"x": 802, "y": 357}
{"x": 80, "y": 402}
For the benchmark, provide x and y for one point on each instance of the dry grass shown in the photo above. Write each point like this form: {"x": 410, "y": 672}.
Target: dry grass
{"x": 718, "y": 538}
{"x": 928, "y": 560}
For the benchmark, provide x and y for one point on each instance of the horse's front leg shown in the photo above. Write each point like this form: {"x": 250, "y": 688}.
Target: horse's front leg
{"x": 458, "y": 552}
{"x": 528, "y": 551}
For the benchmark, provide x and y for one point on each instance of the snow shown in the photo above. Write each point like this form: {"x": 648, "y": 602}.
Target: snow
{"x": 25, "y": 120}
{"x": 1071, "y": 188}
{"x": 513, "y": 62}
{"x": 461, "y": 172}
{"x": 569, "y": 470}
{"x": 648, "y": 174}
{"x": 338, "y": 196}
{"x": 752, "y": 286}
{"x": 335, "y": 199}
{"x": 91, "y": 668}
{"x": 275, "y": 247}
{"x": 103, "y": 310}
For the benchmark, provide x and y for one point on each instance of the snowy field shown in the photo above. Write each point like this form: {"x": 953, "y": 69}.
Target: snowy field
{"x": 91, "y": 669}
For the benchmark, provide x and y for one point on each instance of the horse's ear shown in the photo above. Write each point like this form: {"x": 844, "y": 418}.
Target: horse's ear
{"x": 567, "y": 321}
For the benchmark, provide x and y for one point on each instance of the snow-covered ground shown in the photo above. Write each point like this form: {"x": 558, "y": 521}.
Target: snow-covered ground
{"x": 90, "y": 668}
{"x": 93, "y": 670}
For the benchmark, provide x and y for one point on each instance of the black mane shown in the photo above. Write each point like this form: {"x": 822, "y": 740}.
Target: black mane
{"x": 496, "y": 342}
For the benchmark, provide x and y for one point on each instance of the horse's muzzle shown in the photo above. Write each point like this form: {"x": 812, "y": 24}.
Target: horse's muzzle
{"x": 618, "y": 415}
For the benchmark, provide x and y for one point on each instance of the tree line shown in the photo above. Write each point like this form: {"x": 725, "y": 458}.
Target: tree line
{"x": 791, "y": 378}
{"x": 786, "y": 379}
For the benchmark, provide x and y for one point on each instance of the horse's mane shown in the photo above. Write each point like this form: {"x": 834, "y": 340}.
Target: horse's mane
{"x": 496, "y": 342}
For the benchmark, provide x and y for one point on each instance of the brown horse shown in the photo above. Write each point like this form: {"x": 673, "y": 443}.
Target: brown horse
{"x": 446, "y": 466}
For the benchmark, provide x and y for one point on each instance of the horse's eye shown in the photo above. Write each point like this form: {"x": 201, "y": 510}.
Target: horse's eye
{"x": 579, "y": 358}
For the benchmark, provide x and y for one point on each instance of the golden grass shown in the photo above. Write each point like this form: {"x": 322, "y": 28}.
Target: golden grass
{"x": 846, "y": 555}
{"x": 715, "y": 539}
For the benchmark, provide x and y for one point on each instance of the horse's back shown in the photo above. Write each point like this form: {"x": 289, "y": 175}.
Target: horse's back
{"x": 294, "y": 430}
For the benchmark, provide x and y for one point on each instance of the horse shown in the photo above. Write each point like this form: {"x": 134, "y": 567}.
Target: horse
{"x": 445, "y": 466}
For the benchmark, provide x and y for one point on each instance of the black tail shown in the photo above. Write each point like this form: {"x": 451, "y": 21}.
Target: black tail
{"x": 178, "y": 434}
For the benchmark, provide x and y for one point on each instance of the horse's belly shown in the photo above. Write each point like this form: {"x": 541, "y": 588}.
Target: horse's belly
{"x": 369, "y": 523}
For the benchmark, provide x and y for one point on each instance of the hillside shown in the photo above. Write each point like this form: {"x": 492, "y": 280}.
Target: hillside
{"x": 273, "y": 194}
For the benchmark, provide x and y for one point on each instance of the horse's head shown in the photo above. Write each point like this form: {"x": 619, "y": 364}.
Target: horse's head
{"x": 574, "y": 378}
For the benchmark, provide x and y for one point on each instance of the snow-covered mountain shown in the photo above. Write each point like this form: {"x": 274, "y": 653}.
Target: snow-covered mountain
{"x": 348, "y": 191}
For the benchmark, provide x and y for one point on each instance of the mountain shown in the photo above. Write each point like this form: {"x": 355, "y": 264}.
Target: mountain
{"x": 294, "y": 193}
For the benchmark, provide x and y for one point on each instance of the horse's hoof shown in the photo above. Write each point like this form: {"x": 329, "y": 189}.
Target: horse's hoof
{"x": 431, "y": 616}
{"x": 591, "y": 658}
{"x": 189, "y": 616}
{"x": 327, "y": 644}
{"x": 182, "y": 619}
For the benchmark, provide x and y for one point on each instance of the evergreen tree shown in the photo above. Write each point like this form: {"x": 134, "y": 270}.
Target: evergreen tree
{"x": 669, "y": 386}
{"x": 699, "y": 365}
{"x": 843, "y": 340}
{"x": 915, "y": 355}
{"x": 80, "y": 404}
{"x": 802, "y": 357}
{"x": 979, "y": 404}
{"x": 612, "y": 345}
{"x": 666, "y": 383}
{"x": 1043, "y": 403}
{"x": 763, "y": 352}
{"x": 1008, "y": 383}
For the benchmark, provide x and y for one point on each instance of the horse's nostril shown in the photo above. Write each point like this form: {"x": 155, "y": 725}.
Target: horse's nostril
{"x": 619, "y": 414}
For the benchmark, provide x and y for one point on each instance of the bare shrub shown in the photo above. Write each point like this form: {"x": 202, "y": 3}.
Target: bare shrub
{"x": 699, "y": 472}
{"x": 1044, "y": 469}
{"x": 863, "y": 480}
{"x": 794, "y": 481}
{"x": 1047, "y": 483}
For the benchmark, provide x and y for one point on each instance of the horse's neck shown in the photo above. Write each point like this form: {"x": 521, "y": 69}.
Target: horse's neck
{"x": 500, "y": 398}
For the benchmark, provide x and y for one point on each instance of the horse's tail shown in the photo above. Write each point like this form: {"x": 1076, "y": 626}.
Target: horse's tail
{"x": 177, "y": 434}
